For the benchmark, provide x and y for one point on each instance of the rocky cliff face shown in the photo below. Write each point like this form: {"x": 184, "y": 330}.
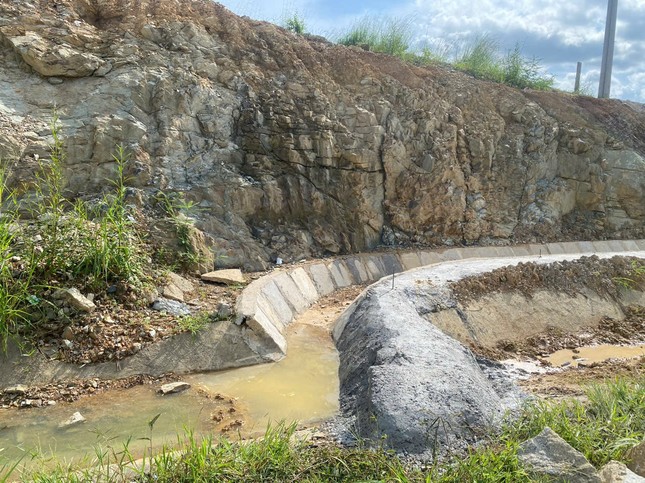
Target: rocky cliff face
{"x": 293, "y": 146}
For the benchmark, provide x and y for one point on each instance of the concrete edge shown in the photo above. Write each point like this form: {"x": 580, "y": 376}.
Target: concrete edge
{"x": 302, "y": 285}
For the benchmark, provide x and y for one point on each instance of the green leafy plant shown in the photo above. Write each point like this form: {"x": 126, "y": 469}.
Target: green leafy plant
{"x": 296, "y": 24}
{"x": 194, "y": 323}
{"x": 111, "y": 248}
{"x": 179, "y": 210}
{"x": 89, "y": 246}
{"x": 16, "y": 272}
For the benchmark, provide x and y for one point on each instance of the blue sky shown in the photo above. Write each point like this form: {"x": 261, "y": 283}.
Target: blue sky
{"x": 558, "y": 32}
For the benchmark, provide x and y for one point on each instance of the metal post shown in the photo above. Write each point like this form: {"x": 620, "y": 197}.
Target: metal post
{"x": 608, "y": 50}
{"x": 576, "y": 89}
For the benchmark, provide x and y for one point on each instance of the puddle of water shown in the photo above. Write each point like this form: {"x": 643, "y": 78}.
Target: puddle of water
{"x": 590, "y": 354}
{"x": 302, "y": 387}
{"x": 111, "y": 419}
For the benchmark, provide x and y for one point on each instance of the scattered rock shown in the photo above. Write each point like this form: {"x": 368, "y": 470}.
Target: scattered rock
{"x": 76, "y": 299}
{"x": 229, "y": 277}
{"x": 636, "y": 459}
{"x": 68, "y": 333}
{"x": 549, "y": 455}
{"x": 18, "y": 390}
{"x": 173, "y": 387}
{"x": 180, "y": 282}
{"x": 617, "y": 472}
{"x": 171, "y": 307}
{"x": 76, "y": 418}
{"x": 224, "y": 310}
{"x": 172, "y": 292}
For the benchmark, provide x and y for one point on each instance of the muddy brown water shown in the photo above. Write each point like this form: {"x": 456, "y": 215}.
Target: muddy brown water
{"x": 302, "y": 387}
{"x": 591, "y": 354}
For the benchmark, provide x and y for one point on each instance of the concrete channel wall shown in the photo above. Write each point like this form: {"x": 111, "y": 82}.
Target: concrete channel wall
{"x": 268, "y": 305}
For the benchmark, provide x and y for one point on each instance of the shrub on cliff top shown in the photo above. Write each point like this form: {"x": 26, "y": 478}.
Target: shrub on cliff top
{"x": 388, "y": 36}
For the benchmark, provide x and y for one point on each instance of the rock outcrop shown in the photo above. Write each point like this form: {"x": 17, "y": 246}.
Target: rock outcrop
{"x": 292, "y": 146}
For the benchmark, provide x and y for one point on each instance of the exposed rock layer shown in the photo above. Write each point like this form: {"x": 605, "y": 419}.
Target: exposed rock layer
{"x": 292, "y": 146}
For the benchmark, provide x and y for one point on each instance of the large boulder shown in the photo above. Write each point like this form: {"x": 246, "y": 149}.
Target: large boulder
{"x": 550, "y": 456}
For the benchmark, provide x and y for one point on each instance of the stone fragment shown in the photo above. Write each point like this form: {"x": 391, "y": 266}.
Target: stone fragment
{"x": 229, "y": 276}
{"x": 49, "y": 58}
{"x": 617, "y": 472}
{"x": 173, "y": 387}
{"x": 549, "y": 455}
{"x": 171, "y": 307}
{"x": 172, "y": 292}
{"x": 636, "y": 459}
{"x": 76, "y": 299}
{"x": 180, "y": 282}
{"x": 75, "y": 418}
{"x": 224, "y": 310}
{"x": 18, "y": 389}
{"x": 68, "y": 333}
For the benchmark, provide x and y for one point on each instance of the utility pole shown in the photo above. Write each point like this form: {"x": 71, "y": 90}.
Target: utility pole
{"x": 576, "y": 89}
{"x": 608, "y": 50}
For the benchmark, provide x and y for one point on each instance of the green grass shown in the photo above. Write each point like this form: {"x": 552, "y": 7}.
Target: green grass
{"x": 480, "y": 57}
{"x": 610, "y": 421}
{"x": 603, "y": 428}
{"x": 295, "y": 24}
{"x": 386, "y": 35}
{"x": 180, "y": 212}
{"x": 194, "y": 323}
{"x": 483, "y": 59}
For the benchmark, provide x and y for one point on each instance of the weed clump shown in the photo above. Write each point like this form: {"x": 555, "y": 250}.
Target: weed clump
{"x": 50, "y": 241}
{"x": 388, "y": 36}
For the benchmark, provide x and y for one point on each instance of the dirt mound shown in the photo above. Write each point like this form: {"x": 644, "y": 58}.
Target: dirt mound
{"x": 606, "y": 277}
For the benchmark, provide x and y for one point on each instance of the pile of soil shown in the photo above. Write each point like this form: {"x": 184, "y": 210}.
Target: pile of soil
{"x": 604, "y": 276}
{"x": 116, "y": 330}
{"x": 574, "y": 381}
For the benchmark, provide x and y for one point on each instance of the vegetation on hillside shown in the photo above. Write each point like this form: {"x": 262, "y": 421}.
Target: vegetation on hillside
{"x": 481, "y": 57}
{"x": 48, "y": 241}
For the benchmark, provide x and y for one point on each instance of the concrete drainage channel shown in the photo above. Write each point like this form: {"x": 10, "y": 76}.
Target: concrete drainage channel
{"x": 267, "y": 306}
{"x": 412, "y": 383}
{"x": 401, "y": 377}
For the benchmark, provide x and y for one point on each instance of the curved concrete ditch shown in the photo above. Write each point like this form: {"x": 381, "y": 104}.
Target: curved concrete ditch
{"x": 266, "y": 307}
{"x": 402, "y": 379}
